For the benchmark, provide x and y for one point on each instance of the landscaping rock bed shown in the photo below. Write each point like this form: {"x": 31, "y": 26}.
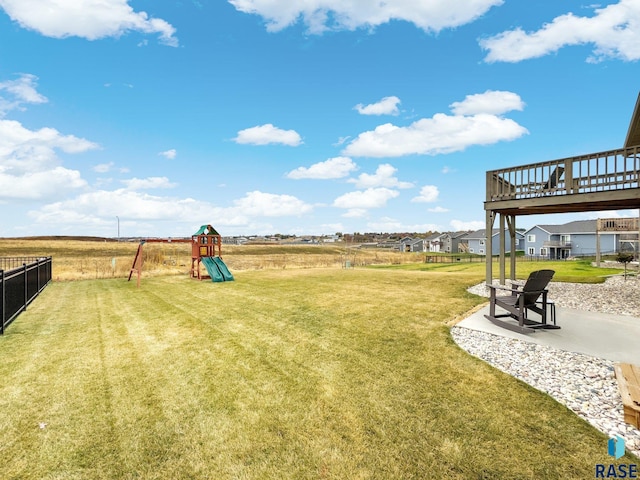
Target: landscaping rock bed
{"x": 585, "y": 384}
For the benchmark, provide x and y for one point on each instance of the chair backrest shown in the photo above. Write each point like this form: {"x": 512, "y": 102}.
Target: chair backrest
{"x": 536, "y": 282}
{"x": 554, "y": 178}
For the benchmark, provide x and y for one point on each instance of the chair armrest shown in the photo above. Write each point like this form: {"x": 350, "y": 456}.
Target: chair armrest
{"x": 537, "y": 291}
{"x": 501, "y": 287}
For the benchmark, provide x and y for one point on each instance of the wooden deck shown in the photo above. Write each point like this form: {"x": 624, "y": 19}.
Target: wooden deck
{"x": 585, "y": 183}
{"x": 599, "y": 181}
{"x": 628, "y": 377}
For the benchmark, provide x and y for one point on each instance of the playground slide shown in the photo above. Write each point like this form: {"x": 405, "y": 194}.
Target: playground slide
{"x": 212, "y": 269}
{"x": 223, "y": 269}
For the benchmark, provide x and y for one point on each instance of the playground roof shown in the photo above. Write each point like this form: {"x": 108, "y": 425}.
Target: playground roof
{"x": 206, "y": 228}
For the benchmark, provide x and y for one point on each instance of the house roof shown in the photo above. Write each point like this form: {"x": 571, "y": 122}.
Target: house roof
{"x": 434, "y": 236}
{"x": 411, "y": 241}
{"x": 481, "y": 234}
{"x": 577, "y": 226}
{"x": 633, "y": 134}
{"x": 454, "y": 234}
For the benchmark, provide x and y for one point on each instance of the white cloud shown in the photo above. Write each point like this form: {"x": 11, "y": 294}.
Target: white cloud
{"x": 322, "y": 15}
{"x": 46, "y": 184}
{"x": 386, "y": 106}
{"x": 384, "y": 177}
{"x": 90, "y": 19}
{"x": 438, "y": 210}
{"x": 459, "y": 225}
{"x": 609, "y": 214}
{"x": 332, "y": 227}
{"x": 20, "y": 91}
{"x": 428, "y": 194}
{"x": 341, "y": 141}
{"x": 126, "y": 204}
{"x": 135, "y": 208}
{"x": 614, "y": 31}
{"x": 476, "y": 121}
{"x": 268, "y": 134}
{"x": 355, "y": 213}
{"x": 29, "y": 166}
{"x": 337, "y": 167}
{"x": 148, "y": 183}
{"x": 387, "y": 224}
{"x": 262, "y": 204}
{"x": 491, "y": 102}
{"x": 24, "y": 150}
{"x": 170, "y": 154}
{"x": 432, "y": 136}
{"x": 369, "y": 198}
{"x": 103, "y": 167}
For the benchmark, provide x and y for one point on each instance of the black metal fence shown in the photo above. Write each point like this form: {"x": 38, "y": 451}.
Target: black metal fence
{"x": 20, "y": 285}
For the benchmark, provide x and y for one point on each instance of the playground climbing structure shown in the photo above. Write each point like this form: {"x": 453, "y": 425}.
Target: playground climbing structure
{"x": 206, "y": 251}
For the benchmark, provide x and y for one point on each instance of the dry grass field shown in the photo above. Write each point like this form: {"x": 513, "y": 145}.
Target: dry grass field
{"x": 95, "y": 259}
{"x": 289, "y": 372}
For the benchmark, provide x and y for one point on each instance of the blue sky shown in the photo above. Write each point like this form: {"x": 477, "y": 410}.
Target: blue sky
{"x": 315, "y": 117}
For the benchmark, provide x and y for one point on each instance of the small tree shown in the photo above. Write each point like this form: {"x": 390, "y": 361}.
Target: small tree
{"x": 624, "y": 258}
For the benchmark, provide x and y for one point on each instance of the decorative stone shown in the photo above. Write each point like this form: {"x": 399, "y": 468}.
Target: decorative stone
{"x": 585, "y": 384}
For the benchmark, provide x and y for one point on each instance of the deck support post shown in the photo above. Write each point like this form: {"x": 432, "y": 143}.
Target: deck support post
{"x": 511, "y": 222}
{"x": 490, "y": 219}
{"x": 502, "y": 248}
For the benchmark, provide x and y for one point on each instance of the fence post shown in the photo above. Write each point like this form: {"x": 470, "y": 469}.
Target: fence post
{"x": 26, "y": 286}
{"x": 2, "y": 301}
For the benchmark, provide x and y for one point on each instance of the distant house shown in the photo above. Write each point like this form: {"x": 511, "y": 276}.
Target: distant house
{"x": 571, "y": 239}
{"x": 408, "y": 244}
{"x": 330, "y": 238}
{"x": 433, "y": 243}
{"x": 451, "y": 241}
{"x": 234, "y": 240}
{"x": 476, "y": 242}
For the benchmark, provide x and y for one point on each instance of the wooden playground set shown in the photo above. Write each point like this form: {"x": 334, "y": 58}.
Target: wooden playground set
{"x": 206, "y": 251}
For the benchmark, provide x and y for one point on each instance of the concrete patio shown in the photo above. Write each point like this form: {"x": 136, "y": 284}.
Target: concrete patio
{"x": 613, "y": 337}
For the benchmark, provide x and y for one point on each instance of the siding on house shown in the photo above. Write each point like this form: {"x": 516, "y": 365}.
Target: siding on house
{"x": 477, "y": 241}
{"x": 434, "y": 242}
{"x": 451, "y": 241}
{"x": 568, "y": 240}
{"x": 408, "y": 244}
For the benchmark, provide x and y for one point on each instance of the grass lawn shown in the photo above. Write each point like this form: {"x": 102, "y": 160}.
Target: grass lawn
{"x": 310, "y": 373}
{"x": 580, "y": 271}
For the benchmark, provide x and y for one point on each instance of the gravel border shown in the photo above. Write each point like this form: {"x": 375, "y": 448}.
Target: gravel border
{"x": 582, "y": 383}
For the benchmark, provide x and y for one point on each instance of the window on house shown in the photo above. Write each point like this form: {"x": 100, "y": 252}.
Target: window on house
{"x": 531, "y": 251}
{"x": 481, "y": 251}
{"x": 471, "y": 250}
{"x": 543, "y": 252}
{"x": 531, "y": 238}
{"x": 482, "y": 242}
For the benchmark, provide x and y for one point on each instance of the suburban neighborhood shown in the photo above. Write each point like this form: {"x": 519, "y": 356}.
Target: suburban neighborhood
{"x": 545, "y": 241}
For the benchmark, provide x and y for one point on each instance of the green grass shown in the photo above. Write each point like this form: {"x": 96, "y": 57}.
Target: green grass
{"x": 579, "y": 271}
{"x": 315, "y": 373}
